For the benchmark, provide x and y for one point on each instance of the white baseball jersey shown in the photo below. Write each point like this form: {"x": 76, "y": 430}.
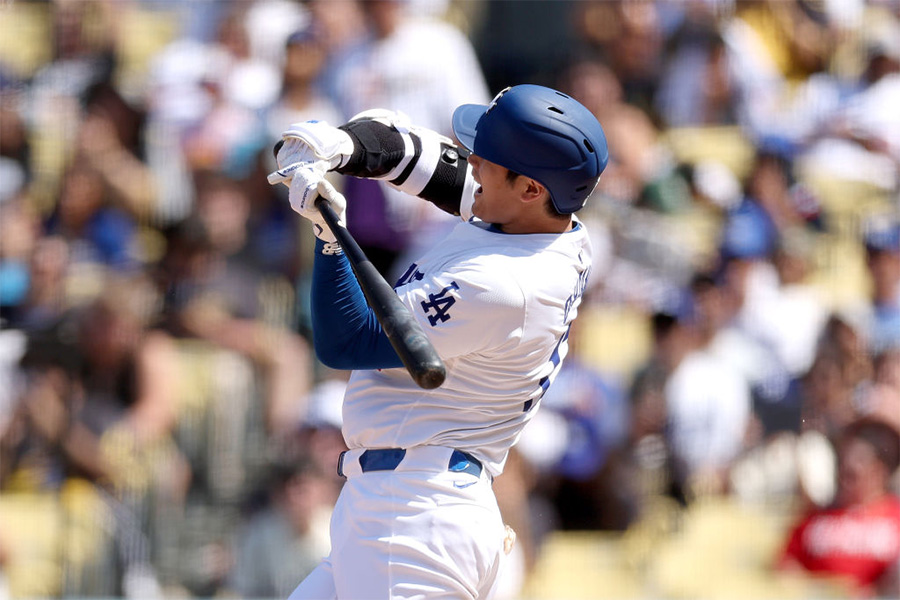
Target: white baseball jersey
{"x": 497, "y": 308}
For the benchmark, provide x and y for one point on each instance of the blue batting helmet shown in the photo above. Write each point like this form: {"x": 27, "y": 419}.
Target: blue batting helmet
{"x": 540, "y": 133}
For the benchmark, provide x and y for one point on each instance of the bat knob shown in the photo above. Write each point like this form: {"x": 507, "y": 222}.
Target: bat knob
{"x": 431, "y": 377}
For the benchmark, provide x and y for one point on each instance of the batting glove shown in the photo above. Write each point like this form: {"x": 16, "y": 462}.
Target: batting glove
{"x": 306, "y": 185}
{"x": 311, "y": 143}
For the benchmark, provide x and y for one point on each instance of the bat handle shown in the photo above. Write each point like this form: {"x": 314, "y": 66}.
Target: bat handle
{"x": 405, "y": 334}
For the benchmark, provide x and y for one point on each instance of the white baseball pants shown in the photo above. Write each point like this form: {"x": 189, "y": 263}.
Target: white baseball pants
{"x": 417, "y": 531}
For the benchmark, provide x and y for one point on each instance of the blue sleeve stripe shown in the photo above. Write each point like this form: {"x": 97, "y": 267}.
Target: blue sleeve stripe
{"x": 346, "y": 334}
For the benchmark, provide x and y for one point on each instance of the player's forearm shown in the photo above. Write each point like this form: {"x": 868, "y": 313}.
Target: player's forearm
{"x": 346, "y": 333}
{"x": 422, "y": 165}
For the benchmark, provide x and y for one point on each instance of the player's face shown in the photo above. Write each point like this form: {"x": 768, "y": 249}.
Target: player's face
{"x": 497, "y": 199}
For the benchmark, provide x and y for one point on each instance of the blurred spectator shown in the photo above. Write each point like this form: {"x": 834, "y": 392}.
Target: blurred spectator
{"x": 882, "y": 252}
{"x": 15, "y": 150}
{"x": 766, "y": 249}
{"x": 777, "y": 55}
{"x": 19, "y": 233}
{"x": 747, "y": 277}
{"x": 830, "y": 390}
{"x": 717, "y": 304}
{"x": 270, "y": 24}
{"x": 424, "y": 68}
{"x": 708, "y": 409}
{"x": 395, "y": 68}
{"x": 798, "y": 307}
{"x": 83, "y": 56}
{"x": 646, "y": 467}
{"x": 858, "y": 537}
{"x": 286, "y": 540}
{"x": 857, "y": 139}
{"x": 46, "y": 299}
{"x": 300, "y": 98}
{"x": 109, "y": 142}
{"x": 631, "y": 37}
{"x": 883, "y": 399}
{"x": 180, "y": 95}
{"x": 205, "y": 108}
{"x": 343, "y": 32}
{"x": 691, "y": 413}
{"x": 231, "y": 131}
{"x": 127, "y": 373}
{"x": 277, "y": 235}
{"x": 696, "y": 87}
{"x": 216, "y": 292}
{"x": 99, "y": 406}
{"x": 38, "y": 448}
{"x": 773, "y": 185}
{"x": 99, "y": 233}
{"x": 229, "y": 370}
{"x": 647, "y": 395}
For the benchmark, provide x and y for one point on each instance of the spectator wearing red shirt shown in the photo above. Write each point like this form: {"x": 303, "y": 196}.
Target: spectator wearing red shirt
{"x": 858, "y": 536}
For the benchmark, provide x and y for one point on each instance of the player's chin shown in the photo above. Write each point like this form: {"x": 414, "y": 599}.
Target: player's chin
{"x": 477, "y": 206}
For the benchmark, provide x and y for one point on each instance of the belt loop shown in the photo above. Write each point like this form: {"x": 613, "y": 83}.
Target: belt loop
{"x": 381, "y": 459}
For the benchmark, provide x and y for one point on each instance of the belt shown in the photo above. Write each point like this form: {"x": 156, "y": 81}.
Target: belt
{"x": 419, "y": 458}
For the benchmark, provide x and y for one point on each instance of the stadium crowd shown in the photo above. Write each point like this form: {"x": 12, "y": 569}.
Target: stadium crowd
{"x": 165, "y": 428}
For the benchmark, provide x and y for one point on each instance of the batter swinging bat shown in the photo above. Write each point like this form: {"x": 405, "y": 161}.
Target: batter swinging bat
{"x": 404, "y": 332}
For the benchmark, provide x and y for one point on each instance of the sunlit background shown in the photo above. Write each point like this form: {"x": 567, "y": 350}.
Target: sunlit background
{"x": 165, "y": 429}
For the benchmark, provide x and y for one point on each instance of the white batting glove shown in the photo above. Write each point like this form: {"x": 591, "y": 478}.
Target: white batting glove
{"x": 306, "y": 185}
{"x": 310, "y": 143}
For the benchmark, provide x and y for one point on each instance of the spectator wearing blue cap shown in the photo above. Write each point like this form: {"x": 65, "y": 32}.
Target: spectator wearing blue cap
{"x": 882, "y": 245}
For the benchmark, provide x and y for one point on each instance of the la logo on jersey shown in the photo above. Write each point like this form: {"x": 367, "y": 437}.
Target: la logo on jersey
{"x": 440, "y": 303}
{"x": 496, "y": 98}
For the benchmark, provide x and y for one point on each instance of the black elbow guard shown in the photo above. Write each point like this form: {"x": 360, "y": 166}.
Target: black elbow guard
{"x": 377, "y": 149}
{"x": 418, "y": 162}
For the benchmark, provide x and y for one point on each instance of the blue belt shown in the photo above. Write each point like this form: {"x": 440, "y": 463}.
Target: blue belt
{"x": 388, "y": 459}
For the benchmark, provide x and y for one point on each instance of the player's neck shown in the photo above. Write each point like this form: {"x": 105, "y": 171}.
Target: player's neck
{"x": 539, "y": 225}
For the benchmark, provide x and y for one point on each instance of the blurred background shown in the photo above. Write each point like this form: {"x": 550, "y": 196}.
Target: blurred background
{"x": 726, "y": 425}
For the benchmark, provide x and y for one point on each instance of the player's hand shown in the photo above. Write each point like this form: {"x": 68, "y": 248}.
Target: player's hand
{"x": 313, "y": 144}
{"x": 306, "y": 185}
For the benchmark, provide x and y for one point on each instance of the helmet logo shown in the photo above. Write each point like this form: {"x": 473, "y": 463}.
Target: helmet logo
{"x": 496, "y": 98}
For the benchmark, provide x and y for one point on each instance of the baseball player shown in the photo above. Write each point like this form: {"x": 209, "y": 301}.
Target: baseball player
{"x": 417, "y": 517}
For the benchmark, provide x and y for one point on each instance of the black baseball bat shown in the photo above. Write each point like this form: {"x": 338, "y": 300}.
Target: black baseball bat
{"x": 403, "y": 331}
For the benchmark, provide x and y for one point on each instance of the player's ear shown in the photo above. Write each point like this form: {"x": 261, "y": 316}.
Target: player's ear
{"x": 532, "y": 190}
